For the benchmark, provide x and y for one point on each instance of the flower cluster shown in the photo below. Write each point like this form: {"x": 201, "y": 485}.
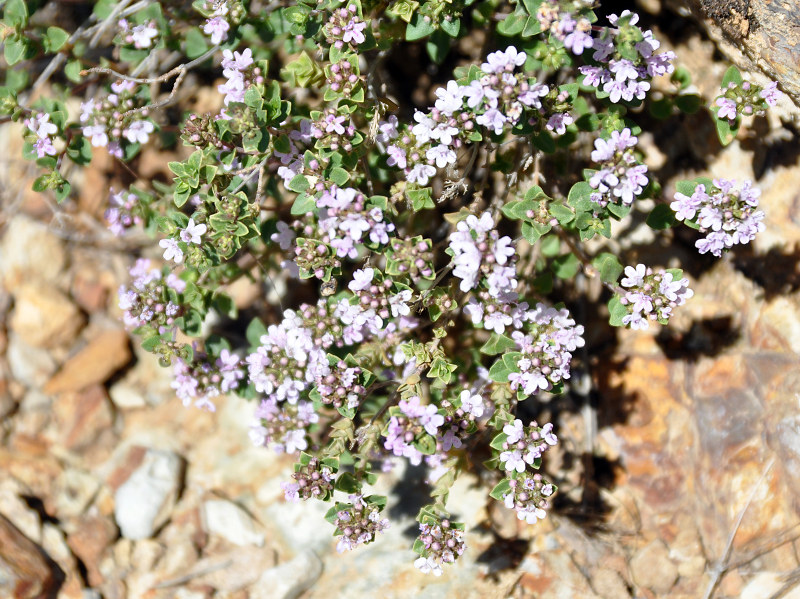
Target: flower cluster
{"x": 529, "y": 495}
{"x": 288, "y": 360}
{"x": 284, "y": 426}
{"x": 545, "y": 351}
{"x": 525, "y": 445}
{"x": 122, "y": 212}
{"x": 340, "y": 387}
{"x": 440, "y": 543}
{"x": 240, "y": 72}
{"x": 498, "y": 99}
{"x": 140, "y": 36}
{"x": 199, "y": 381}
{"x": 651, "y": 295}
{"x": 571, "y": 29}
{"x": 106, "y": 122}
{"x": 347, "y": 220}
{"x": 39, "y": 124}
{"x": 345, "y": 27}
{"x": 479, "y": 253}
{"x": 410, "y": 421}
{"x": 726, "y": 212}
{"x": 621, "y": 178}
{"x": 745, "y": 99}
{"x": 358, "y": 522}
{"x": 626, "y": 60}
{"x": 151, "y": 299}
{"x": 217, "y": 25}
{"x": 312, "y": 479}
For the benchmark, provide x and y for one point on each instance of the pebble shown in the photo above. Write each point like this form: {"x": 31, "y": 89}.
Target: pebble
{"x": 144, "y": 501}
{"x": 28, "y": 250}
{"x": 228, "y": 520}
{"x": 95, "y": 363}
{"x": 45, "y": 317}
{"x": 290, "y": 579}
{"x": 652, "y": 568}
{"x": 29, "y": 365}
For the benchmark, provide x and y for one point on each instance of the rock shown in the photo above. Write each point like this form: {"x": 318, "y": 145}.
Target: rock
{"x": 93, "y": 534}
{"x": 29, "y": 250}
{"x": 230, "y": 571}
{"x": 29, "y": 365}
{"x": 25, "y": 570}
{"x": 55, "y": 546}
{"x": 74, "y": 491}
{"x": 231, "y": 522}
{"x": 14, "y": 508}
{"x": 84, "y": 420}
{"x": 45, "y": 317}
{"x": 126, "y": 396}
{"x": 95, "y": 363}
{"x": 652, "y": 568}
{"x": 144, "y": 501}
{"x": 609, "y": 584}
{"x": 290, "y": 579}
{"x": 768, "y": 584}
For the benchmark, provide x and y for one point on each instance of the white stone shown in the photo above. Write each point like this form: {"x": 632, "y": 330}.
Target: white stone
{"x": 126, "y": 396}
{"x": 289, "y": 579}
{"x": 30, "y": 366}
{"x": 231, "y": 522}
{"x": 144, "y": 501}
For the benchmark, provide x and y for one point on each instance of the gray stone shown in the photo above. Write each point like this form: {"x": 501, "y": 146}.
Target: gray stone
{"x": 144, "y": 502}
{"x": 289, "y": 579}
{"x": 652, "y": 568}
{"x": 231, "y": 522}
{"x": 30, "y": 366}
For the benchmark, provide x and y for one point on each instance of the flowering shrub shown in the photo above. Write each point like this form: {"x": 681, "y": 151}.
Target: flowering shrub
{"x": 434, "y": 240}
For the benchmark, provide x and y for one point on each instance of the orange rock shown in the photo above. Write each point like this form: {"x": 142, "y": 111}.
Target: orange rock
{"x": 45, "y": 317}
{"x": 95, "y": 363}
{"x": 29, "y": 573}
{"x": 83, "y": 418}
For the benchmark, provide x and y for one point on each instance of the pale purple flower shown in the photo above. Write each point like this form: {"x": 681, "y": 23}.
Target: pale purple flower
{"x": 513, "y": 431}
{"x": 727, "y": 108}
{"x": 512, "y": 460}
{"x": 771, "y": 94}
{"x": 472, "y": 403}
{"x": 143, "y": 35}
{"x": 138, "y": 131}
{"x": 217, "y": 28}
{"x": 361, "y": 279}
{"x": 421, "y": 173}
{"x": 559, "y": 122}
{"x": 354, "y": 31}
{"x": 171, "y": 250}
{"x": 441, "y": 155}
{"x": 449, "y": 99}
{"x": 193, "y": 232}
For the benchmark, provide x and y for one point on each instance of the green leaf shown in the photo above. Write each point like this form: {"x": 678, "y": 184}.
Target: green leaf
{"x": 661, "y": 218}
{"x": 15, "y": 49}
{"x": 566, "y": 266}
{"x": 732, "y": 75}
{"x": 419, "y": 28}
{"x": 298, "y": 184}
{"x": 580, "y": 196}
{"x": 561, "y": 213}
{"x": 54, "y": 39}
{"x": 501, "y": 489}
{"x": 339, "y": 176}
{"x": 532, "y": 231}
{"x": 450, "y": 27}
{"x": 420, "y": 198}
{"x": 499, "y": 372}
{"x": 498, "y": 441}
{"x": 616, "y": 311}
{"x": 497, "y": 344}
{"x": 254, "y": 332}
{"x": 16, "y": 14}
{"x": 195, "y": 43}
{"x": 73, "y": 70}
{"x": 608, "y": 266}
{"x": 304, "y": 204}
{"x": 347, "y": 483}
{"x": 725, "y": 131}
{"x": 689, "y": 103}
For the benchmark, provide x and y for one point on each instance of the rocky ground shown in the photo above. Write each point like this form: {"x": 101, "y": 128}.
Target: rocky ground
{"x": 679, "y": 466}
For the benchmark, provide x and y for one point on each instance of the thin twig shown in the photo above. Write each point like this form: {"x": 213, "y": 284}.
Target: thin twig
{"x": 161, "y": 103}
{"x": 721, "y": 567}
{"x": 166, "y": 76}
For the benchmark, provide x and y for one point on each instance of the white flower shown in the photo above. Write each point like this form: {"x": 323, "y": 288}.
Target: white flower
{"x": 472, "y": 404}
{"x": 361, "y": 279}
{"x": 171, "y": 250}
{"x": 138, "y": 131}
{"x": 143, "y": 35}
{"x": 193, "y": 232}
{"x": 421, "y": 173}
